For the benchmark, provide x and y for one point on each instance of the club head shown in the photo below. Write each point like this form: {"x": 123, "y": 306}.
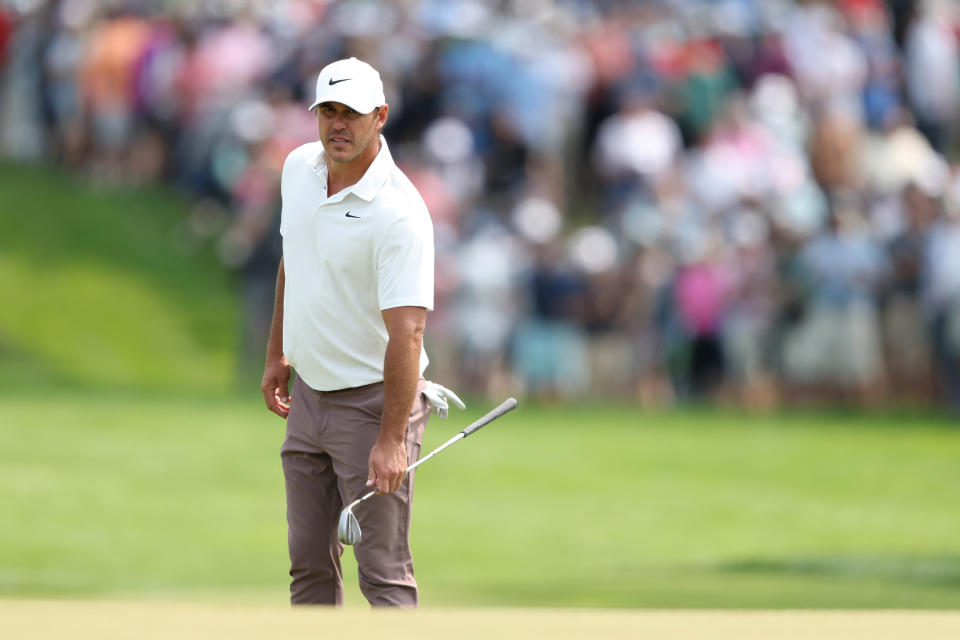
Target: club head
{"x": 348, "y": 529}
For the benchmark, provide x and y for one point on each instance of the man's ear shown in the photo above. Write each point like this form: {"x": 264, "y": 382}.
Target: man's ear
{"x": 382, "y": 116}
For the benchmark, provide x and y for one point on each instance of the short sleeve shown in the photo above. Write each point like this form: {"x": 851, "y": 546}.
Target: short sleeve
{"x": 405, "y": 263}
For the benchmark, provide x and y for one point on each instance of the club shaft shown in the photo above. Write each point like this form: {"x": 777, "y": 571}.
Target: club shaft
{"x": 416, "y": 464}
{"x": 446, "y": 444}
{"x": 507, "y": 405}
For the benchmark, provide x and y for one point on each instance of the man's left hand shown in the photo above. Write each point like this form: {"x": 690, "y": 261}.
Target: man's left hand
{"x": 388, "y": 466}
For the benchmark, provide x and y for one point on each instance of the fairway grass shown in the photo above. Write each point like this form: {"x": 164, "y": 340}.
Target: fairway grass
{"x": 170, "y": 497}
{"x": 186, "y": 621}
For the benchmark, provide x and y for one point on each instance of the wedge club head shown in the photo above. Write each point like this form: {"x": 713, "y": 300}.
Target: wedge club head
{"x": 348, "y": 529}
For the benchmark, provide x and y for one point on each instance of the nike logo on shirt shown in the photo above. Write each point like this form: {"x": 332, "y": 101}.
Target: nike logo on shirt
{"x": 350, "y": 216}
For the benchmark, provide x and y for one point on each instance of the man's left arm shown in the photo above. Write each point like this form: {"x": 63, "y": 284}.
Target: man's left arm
{"x": 401, "y": 375}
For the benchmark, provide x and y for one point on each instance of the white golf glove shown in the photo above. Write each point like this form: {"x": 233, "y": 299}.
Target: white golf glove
{"x": 438, "y": 395}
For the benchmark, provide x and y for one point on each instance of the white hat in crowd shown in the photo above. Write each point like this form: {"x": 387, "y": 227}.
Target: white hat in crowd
{"x": 351, "y": 82}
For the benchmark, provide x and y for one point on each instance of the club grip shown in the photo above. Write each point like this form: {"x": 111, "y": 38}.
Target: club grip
{"x": 507, "y": 405}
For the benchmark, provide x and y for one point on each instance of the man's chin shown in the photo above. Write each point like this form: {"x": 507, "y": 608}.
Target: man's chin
{"x": 341, "y": 155}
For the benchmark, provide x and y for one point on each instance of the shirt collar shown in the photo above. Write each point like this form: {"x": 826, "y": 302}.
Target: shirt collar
{"x": 376, "y": 175}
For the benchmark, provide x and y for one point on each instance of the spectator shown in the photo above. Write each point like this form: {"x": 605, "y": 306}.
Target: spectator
{"x": 909, "y": 354}
{"x": 941, "y": 290}
{"x": 836, "y": 350}
{"x": 932, "y": 72}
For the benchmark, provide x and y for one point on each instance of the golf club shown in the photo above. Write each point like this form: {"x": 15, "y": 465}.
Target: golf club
{"x": 348, "y": 529}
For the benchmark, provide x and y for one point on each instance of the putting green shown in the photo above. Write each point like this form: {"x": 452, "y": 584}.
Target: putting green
{"x": 146, "y": 620}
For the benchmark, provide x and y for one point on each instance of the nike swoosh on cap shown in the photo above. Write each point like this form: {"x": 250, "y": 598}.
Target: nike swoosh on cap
{"x": 332, "y": 81}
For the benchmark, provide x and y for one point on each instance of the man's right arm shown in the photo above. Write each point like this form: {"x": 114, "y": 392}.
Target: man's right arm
{"x": 276, "y": 371}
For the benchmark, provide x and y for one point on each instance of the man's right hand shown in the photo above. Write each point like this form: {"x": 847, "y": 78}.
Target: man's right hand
{"x": 276, "y": 386}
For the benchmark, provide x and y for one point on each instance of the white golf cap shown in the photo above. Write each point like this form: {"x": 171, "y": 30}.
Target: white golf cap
{"x": 351, "y": 82}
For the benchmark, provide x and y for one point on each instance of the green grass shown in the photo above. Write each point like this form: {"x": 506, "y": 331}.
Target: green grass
{"x": 146, "y": 497}
{"x": 99, "y": 291}
{"x": 128, "y": 470}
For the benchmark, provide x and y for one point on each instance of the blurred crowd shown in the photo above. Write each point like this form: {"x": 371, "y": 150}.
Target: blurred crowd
{"x": 748, "y": 201}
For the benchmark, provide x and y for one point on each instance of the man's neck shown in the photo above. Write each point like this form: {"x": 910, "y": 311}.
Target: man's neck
{"x": 341, "y": 175}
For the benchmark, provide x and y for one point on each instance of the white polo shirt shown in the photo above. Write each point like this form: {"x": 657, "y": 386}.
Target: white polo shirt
{"x": 368, "y": 247}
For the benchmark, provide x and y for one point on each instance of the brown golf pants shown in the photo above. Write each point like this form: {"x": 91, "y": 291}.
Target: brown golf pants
{"x": 325, "y": 463}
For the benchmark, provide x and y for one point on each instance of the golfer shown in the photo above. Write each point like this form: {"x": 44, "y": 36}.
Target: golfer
{"x": 353, "y": 289}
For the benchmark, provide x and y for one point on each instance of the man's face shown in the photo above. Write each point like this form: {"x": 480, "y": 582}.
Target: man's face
{"x": 347, "y": 135}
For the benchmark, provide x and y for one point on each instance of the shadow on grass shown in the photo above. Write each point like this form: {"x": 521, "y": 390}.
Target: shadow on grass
{"x": 919, "y": 570}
